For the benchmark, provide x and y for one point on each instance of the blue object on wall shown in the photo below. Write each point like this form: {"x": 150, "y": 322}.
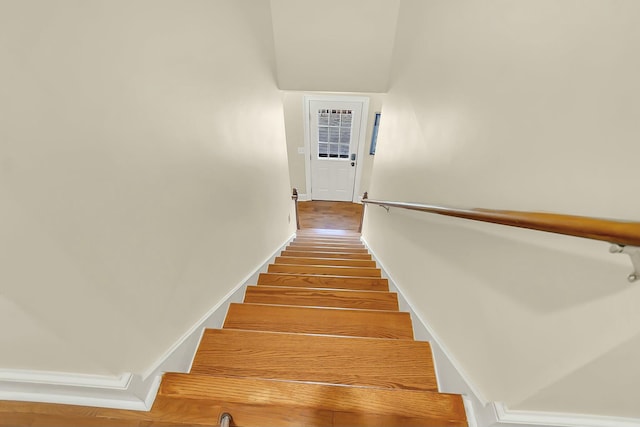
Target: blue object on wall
{"x": 374, "y": 136}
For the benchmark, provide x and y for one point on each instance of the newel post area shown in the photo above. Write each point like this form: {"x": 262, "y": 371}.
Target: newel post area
{"x": 294, "y": 196}
{"x": 364, "y": 197}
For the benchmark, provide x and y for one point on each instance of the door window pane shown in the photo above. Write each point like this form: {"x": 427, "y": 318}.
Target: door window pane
{"x": 323, "y": 134}
{"x": 333, "y": 150}
{"x": 335, "y": 118}
{"x": 345, "y": 135}
{"x": 323, "y": 149}
{"x": 323, "y": 117}
{"x": 334, "y": 133}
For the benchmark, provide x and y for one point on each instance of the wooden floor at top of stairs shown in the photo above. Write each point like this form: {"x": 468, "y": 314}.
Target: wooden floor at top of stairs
{"x": 323, "y": 321}
{"x": 295, "y": 403}
{"x": 333, "y": 282}
{"x": 311, "y": 297}
{"x": 320, "y": 231}
{"x": 368, "y": 362}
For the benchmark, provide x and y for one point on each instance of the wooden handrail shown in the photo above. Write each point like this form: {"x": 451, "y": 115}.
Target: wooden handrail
{"x": 609, "y": 230}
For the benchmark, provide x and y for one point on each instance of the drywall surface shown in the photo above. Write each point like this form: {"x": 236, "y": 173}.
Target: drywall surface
{"x": 143, "y": 173}
{"x": 528, "y": 105}
{"x": 294, "y": 124}
{"x": 334, "y": 45}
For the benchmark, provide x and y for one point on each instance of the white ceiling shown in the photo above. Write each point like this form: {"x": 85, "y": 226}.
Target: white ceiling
{"x": 334, "y": 45}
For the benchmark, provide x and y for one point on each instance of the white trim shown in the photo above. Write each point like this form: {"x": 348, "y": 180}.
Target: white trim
{"x": 153, "y": 392}
{"x": 118, "y": 382}
{"x": 470, "y": 411}
{"x": 76, "y": 399}
{"x": 364, "y": 120}
{"x": 436, "y": 339}
{"x": 556, "y": 419}
{"x": 480, "y": 412}
{"x": 211, "y": 319}
{"x": 307, "y": 143}
{"x": 125, "y": 391}
{"x": 303, "y": 198}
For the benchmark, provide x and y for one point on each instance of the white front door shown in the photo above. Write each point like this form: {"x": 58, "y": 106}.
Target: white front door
{"x": 334, "y": 128}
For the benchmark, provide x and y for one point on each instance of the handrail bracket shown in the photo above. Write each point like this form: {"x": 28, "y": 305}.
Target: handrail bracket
{"x": 385, "y": 207}
{"x": 634, "y": 254}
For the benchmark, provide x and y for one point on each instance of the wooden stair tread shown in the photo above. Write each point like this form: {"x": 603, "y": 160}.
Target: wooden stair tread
{"x": 324, "y": 321}
{"x": 405, "y": 364}
{"x": 341, "y": 255}
{"x": 328, "y": 244}
{"x": 305, "y": 403}
{"x": 328, "y": 241}
{"x": 314, "y": 248}
{"x": 325, "y": 261}
{"x": 327, "y": 281}
{"x": 325, "y": 270}
{"x": 367, "y": 300}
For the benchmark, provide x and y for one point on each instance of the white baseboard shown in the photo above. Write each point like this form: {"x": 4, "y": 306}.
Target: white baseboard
{"x": 304, "y": 197}
{"x": 450, "y": 376}
{"x": 76, "y": 389}
{"x": 480, "y": 411}
{"x": 125, "y": 391}
{"x": 539, "y": 418}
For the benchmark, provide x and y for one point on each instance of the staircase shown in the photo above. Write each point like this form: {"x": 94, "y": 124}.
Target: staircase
{"x": 319, "y": 342}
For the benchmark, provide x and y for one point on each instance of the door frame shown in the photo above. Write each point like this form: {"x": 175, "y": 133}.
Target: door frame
{"x": 364, "y": 121}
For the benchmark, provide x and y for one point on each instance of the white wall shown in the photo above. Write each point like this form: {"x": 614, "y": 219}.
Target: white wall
{"x": 294, "y": 125}
{"x": 528, "y": 105}
{"x": 143, "y": 173}
{"x": 334, "y": 45}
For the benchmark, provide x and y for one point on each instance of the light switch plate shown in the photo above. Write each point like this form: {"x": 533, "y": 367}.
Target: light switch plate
{"x": 300, "y": 150}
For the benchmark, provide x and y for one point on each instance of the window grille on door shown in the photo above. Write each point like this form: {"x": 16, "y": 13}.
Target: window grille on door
{"x": 334, "y": 133}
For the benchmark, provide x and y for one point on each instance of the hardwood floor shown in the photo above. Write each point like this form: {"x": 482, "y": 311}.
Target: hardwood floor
{"x": 329, "y": 215}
